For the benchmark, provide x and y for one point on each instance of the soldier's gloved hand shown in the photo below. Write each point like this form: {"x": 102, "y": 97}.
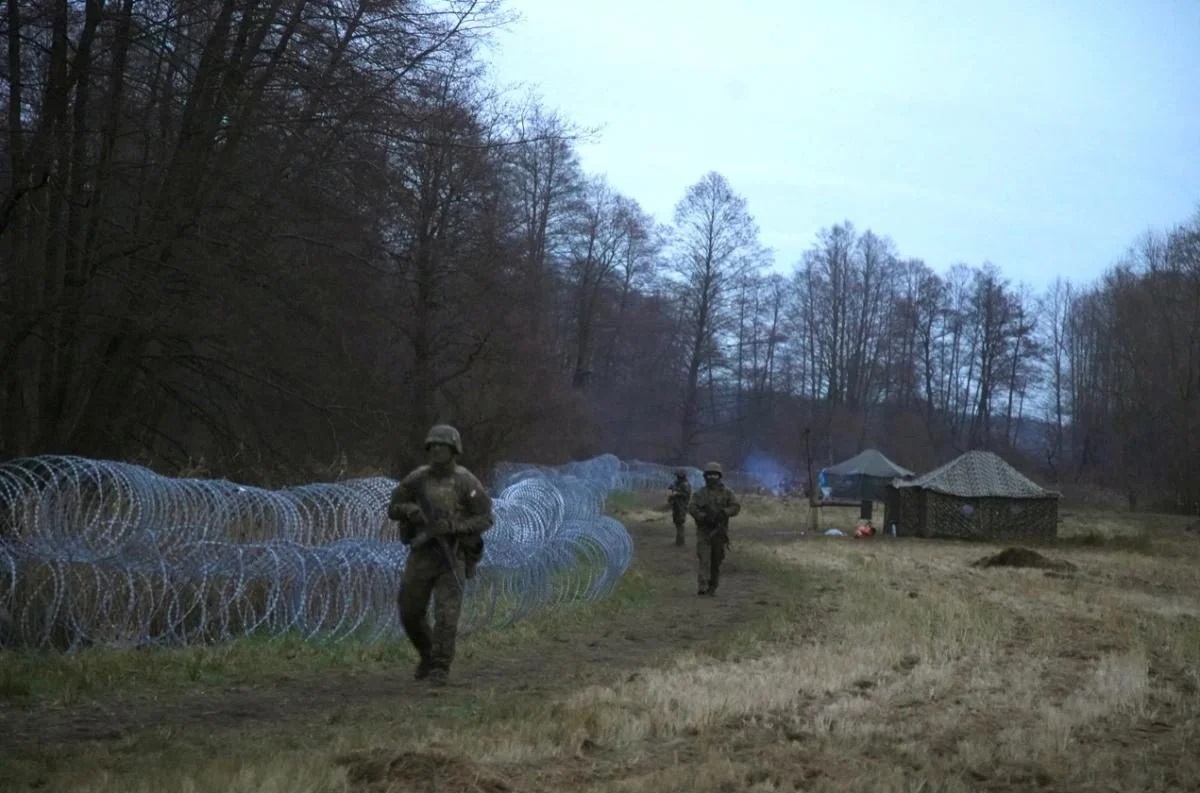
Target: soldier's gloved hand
{"x": 410, "y": 513}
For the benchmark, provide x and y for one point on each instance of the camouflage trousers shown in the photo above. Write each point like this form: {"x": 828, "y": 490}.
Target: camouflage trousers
{"x": 710, "y": 552}
{"x": 428, "y": 575}
{"x": 678, "y": 517}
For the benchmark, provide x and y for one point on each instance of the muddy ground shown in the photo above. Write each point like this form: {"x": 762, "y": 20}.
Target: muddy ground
{"x": 640, "y": 637}
{"x": 911, "y": 723}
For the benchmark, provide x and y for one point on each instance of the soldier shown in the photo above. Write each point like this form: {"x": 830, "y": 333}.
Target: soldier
{"x": 443, "y": 512}
{"x": 680, "y": 494}
{"x": 712, "y": 506}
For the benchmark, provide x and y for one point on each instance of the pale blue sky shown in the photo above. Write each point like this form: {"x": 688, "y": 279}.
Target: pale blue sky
{"x": 1043, "y": 136}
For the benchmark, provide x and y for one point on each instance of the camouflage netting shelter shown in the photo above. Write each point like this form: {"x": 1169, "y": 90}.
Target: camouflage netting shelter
{"x": 866, "y": 475}
{"x": 978, "y": 496}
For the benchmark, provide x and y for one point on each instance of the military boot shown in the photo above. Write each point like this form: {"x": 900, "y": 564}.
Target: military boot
{"x": 437, "y": 677}
{"x": 423, "y": 670}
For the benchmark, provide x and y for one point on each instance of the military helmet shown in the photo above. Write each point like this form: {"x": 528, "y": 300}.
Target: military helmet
{"x": 714, "y": 468}
{"x": 444, "y": 433}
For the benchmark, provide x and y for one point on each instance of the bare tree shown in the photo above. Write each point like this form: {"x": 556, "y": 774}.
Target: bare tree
{"x": 828, "y": 265}
{"x": 545, "y": 179}
{"x": 1055, "y": 308}
{"x": 597, "y": 233}
{"x": 716, "y": 242}
{"x": 1025, "y": 351}
{"x": 638, "y": 267}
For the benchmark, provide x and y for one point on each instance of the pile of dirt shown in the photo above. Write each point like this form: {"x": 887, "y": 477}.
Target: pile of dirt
{"x": 1022, "y": 557}
{"x": 419, "y": 772}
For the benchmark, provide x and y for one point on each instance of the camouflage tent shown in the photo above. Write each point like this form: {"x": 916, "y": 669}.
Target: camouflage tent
{"x": 977, "y": 495}
{"x": 863, "y": 476}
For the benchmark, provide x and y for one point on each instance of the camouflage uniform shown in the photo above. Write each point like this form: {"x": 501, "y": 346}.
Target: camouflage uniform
{"x": 443, "y": 512}
{"x": 681, "y": 493}
{"x": 712, "y": 506}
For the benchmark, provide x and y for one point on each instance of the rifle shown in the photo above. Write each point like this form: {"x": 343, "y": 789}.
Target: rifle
{"x": 716, "y": 517}
{"x": 433, "y": 516}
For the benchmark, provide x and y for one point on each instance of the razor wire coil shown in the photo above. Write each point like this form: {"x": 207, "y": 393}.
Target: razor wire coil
{"x": 100, "y": 552}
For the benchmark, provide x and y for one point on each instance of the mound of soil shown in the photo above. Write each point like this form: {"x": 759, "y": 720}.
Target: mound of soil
{"x": 419, "y": 772}
{"x": 1022, "y": 557}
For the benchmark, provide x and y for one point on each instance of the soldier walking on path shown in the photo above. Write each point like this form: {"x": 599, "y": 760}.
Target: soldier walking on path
{"x": 680, "y": 495}
{"x": 443, "y": 512}
{"x": 711, "y": 507}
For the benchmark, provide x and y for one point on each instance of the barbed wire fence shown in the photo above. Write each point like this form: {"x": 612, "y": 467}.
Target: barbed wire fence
{"x": 101, "y": 552}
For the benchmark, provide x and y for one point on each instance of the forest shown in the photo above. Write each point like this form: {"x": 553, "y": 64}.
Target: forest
{"x": 275, "y": 240}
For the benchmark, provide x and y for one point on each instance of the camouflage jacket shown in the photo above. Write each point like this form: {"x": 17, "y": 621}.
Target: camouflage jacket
{"x": 712, "y": 507}
{"x": 457, "y": 497}
{"x": 680, "y": 491}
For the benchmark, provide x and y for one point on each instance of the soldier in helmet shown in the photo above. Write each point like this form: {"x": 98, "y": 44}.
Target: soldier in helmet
{"x": 680, "y": 494}
{"x": 443, "y": 511}
{"x": 712, "y": 506}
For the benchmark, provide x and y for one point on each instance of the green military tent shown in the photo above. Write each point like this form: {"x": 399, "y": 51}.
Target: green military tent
{"x": 976, "y": 495}
{"x": 863, "y": 477}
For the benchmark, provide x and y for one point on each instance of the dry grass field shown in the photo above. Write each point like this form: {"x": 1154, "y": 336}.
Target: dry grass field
{"x": 824, "y": 664}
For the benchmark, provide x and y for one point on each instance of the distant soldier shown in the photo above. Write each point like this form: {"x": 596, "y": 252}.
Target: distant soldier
{"x": 712, "y": 506}
{"x": 680, "y": 494}
{"x": 443, "y": 511}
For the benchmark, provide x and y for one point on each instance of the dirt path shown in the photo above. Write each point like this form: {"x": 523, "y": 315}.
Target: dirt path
{"x": 637, "y": 637}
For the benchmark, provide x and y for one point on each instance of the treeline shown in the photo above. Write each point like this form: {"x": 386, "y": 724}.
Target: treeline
{"x": 282, "y": 237}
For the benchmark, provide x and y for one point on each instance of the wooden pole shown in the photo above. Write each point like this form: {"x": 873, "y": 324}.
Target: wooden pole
{"x": 813, "y": 503}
